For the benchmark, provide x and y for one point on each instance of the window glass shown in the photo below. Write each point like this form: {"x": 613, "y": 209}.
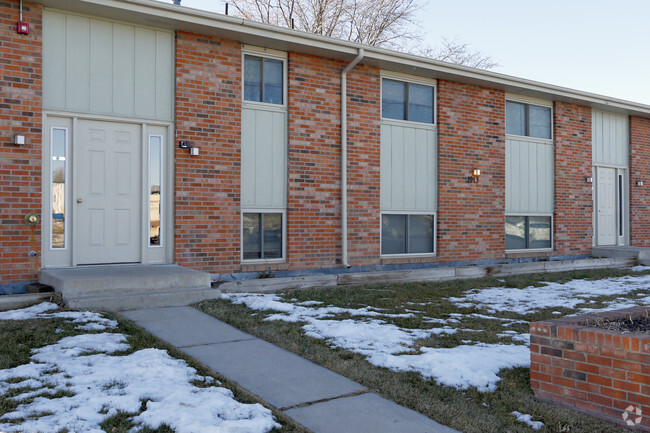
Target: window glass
{"x": 420, "y": 234}
{"x": 393, "y": 99}
{"x": 252, "y": 236}
{"x": 262, "y": 236}
{"x": 252, "y": 78}
{"x": 539, "y": 232}
{"x": 515, "y": 118}
{"x": 393, "y": 234}
{"x": 273, "y": 72}
{"x": 272, "y": 236}
{"x": 58, "y": 176}
{"x": 515, "y": 232}
{"x": 420, "y": 103}
{"x": 155, "y": 165}
{"x": 539, "y": 121}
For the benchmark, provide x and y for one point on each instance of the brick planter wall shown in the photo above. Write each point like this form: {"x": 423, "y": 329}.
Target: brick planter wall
{"x": 595, "y": 370}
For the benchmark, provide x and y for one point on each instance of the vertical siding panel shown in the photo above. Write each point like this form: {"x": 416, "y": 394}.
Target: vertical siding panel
{"x": 164, "y": 75}
{"x": 264, "y": 170}
{"x": 509, "y": 184}
{"x": 529, "y": 177}
{"x": 123, "y": 69}
{"x": 410, "y": 170}
{"x": 101, "y": 67}
{"x": 145, "y": 73}
{"x": 78, "y": 63}
{"x": 279, "y": 166}
{"x": 54, "y": 60}
{"x": 248, "y": 131}
{"x": 385, "y": 167}
{"x": 397, "y": 174}
{"x": 432, "y": 158}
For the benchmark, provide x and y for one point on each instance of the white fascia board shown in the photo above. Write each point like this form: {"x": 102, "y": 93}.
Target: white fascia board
{"x": 169, "y": 16}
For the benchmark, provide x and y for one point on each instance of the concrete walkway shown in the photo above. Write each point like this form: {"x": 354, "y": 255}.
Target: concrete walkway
{"x": 314, "y": 396}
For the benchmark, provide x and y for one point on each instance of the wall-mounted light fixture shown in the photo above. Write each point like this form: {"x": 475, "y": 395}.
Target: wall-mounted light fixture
{"x": 639, "y": 183}
{"x": 184, "y": 144}
{"x": 474, "y": 177}
{"x": 19, "y": 139}
{"x": 589, "y": 179}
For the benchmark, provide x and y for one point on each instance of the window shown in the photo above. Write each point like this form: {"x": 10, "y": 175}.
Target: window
{"x": 528, "y": 120}
{"x": 528, "y": 232}
{"x": 155, "y": 183}
{"x": 263, "y": 80}
{"x": 262, "y": 236}
{"x": 407, "y": 101}
{"x": 58, "y": 184}
{"x": 407, "y": 234}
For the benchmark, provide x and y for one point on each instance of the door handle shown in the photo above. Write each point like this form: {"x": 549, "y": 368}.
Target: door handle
{"x": 80, "y": 200}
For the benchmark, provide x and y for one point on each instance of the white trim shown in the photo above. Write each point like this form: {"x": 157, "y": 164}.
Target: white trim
{"x": 529, "y": 100}
{"x": 162, "y": 201}
{"x": 67, "y": 188}
{"x": 264, "y": 52}
{"x": 409, "y": 255}
{"x": 533, "y": 250}
{"x": 529, "y": 139}
{"x": 409, "y": 124}
{"x": 405, "y": 78}
{"x": 268, "y": 54}
{"x": 107, "y": 118}
{"x": 283, "y": 259}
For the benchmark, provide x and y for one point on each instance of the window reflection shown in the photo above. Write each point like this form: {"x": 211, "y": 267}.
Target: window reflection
{"x": 58, "y": 176}
{"x": 155, "y": 201}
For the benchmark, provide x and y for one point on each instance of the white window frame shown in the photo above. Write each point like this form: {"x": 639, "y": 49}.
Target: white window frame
{"x": 532, "y": 214}
{"x": 406, "y": 78}
{"x": 269, "y": 54}
{"x": 66, "y": 224}
{"x": 530, "y": 101}
{"x": 162, "y": 192}
{"x": 282, "y": 259}
{"x": 410, "y": 255}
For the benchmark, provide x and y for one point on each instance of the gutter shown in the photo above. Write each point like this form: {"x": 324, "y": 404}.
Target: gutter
{"x": 344, "y": 155}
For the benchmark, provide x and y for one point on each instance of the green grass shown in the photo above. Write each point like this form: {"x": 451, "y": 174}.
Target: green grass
{"x": 18, "y": 338}
{"x": 469, "y": 410}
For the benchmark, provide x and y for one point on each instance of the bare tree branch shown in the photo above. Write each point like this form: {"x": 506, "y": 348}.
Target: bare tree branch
{"x": 380, "y": 23}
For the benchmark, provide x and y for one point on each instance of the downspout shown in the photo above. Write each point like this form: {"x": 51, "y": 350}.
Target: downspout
{"x": 344, "y": 154}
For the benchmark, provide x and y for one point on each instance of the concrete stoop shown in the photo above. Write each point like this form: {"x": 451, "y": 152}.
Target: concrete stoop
{"x": 642, "y": 254}
{"x": 129, "y": 287}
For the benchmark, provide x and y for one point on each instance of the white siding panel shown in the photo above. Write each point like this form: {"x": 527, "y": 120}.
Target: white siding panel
{"x": 77, "y": 65}
{"x": 264, "y": 159}
{"x": 529, "y": 177}
{"x": 101, "y": 67}
{"x": 124, "y": 69}
{"x": 145, "y": 73}
{"x": 164, "y": 75}
{"x": 610, "y": 139}
{"x": 408, "y": 168}
{"x": 54, "y": 46}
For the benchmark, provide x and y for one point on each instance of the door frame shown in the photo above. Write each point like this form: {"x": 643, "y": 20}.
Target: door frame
{"x": 622, "y": 207}
{"x": 67, "y": 257}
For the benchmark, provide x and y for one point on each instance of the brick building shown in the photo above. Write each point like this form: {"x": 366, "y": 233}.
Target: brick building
{"x": 144, "y": 132}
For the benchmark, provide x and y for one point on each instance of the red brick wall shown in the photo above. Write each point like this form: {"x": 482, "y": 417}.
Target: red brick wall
{"x": 595, "y": 370}
{"x": 364, "y": 131}
{"x": 314, "y": 199}
{"x": 20, "y": 167}
{"x": 208, "y": 114}
{"x": 573, "y": 222}
{"x": 471, "y": 216}
{"x": 639, "y": 170}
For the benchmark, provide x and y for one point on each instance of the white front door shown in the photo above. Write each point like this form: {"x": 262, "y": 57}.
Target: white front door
{"x": 108, "y": 192}
{"x": 606, "y": 206}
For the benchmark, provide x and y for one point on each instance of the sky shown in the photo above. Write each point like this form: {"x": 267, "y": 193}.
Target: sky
{"x": 596, "y": 46}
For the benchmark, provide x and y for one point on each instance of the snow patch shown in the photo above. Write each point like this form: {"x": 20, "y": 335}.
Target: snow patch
{"x": 528, "y": 419}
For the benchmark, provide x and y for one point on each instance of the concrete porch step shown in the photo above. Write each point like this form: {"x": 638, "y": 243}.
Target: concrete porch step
{"x": 133, "y": 301}
{"x": 123, "y": 287}
{"x": 640, "y": 253}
